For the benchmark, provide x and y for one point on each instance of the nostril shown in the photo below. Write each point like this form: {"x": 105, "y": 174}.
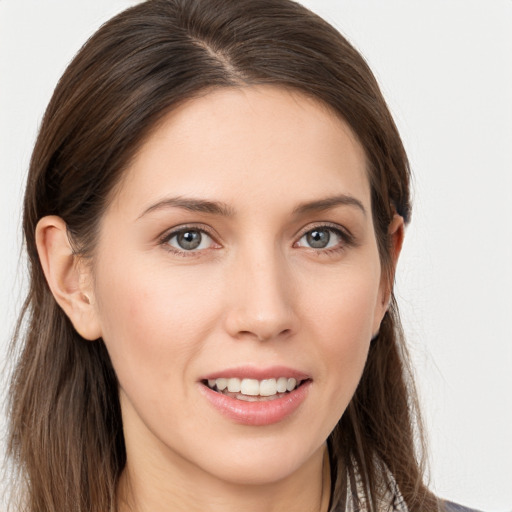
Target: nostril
{"x": 271, "y": 335}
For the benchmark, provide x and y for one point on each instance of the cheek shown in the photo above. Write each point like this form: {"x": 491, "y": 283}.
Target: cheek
{"x": 151, "y": 318}
{"x": 346, "y": 304}
{"x": 342, "y": 323}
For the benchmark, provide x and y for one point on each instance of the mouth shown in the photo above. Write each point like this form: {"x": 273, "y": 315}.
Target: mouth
{"x": 254, "y": 390}
{"x": 253, "y": 396}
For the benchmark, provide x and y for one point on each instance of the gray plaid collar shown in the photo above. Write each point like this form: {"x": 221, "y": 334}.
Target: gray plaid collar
{"x": 391, "y": 499}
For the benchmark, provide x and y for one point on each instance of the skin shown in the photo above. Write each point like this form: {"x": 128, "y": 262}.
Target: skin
{"x": 254, "y": 293}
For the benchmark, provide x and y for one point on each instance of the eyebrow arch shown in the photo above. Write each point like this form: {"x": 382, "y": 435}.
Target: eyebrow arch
{"x": 329, "y": 203}
{"x": 191, "y": 204}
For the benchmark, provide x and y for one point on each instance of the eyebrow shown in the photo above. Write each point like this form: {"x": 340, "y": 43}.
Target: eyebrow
{"x": 224, "y": 210}
{"x": 328, "y": 203}
{"x": 191, "y": 204}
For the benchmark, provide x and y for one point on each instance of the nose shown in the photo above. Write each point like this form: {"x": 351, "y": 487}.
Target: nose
{"x": 260, "y": 298}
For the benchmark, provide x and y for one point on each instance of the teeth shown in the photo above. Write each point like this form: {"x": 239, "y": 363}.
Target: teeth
{"x": 221, "y": 384}
{"x": 234, "y": 385}
{"x": 290, "y": 385}
{"x": 253, "y": 387}
{"x": 282, "y": 382}
{"x": 250, "y": 387}
{"x": 268, "y": 387}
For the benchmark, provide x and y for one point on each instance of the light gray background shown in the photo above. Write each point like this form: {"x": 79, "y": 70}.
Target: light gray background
{"x": 445, "y": 67}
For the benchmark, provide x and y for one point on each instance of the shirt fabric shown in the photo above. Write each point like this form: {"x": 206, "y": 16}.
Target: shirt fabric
{"x": 391, "y": 501}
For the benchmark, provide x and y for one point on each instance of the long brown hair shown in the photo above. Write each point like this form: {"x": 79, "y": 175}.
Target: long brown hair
{"x": 66, "y": 433}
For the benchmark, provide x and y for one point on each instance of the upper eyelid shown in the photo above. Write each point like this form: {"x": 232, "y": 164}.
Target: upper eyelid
{"x": 171, "y": 232}
{"x": 329, "y": 225}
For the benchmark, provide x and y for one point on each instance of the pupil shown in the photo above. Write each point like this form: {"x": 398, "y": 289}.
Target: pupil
{"x": 189, "y": 240}
{"x": 318, "y": 238}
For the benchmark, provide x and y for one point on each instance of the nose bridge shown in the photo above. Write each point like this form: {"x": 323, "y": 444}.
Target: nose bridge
{"x": 261, "y": 297}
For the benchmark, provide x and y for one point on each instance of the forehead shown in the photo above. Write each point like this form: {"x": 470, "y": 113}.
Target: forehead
{"x": 250, "y": 143}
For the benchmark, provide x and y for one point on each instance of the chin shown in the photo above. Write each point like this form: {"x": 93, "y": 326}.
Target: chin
{"x": 256, "y": 474}
{"x": 259, "y": 465}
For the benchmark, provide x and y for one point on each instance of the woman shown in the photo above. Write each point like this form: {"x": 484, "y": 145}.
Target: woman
{"x": 214, "y": 212}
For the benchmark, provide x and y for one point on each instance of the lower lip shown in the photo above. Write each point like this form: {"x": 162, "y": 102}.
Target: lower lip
{"x": 257, "y": 413}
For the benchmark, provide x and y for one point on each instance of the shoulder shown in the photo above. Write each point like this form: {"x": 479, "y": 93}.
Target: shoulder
{"x": 447, "y": 506}
{"x": 454, "y": 507}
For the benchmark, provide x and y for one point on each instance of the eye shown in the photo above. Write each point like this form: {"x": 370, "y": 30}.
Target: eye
{"x": 322, "y": 237}
{"x": 189, "y": 239}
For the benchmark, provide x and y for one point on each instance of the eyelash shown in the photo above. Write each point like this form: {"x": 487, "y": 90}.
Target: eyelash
{"x": 167, "y": 237}
{"x": 345, "y": 236}
{"x": 347, "y": 239}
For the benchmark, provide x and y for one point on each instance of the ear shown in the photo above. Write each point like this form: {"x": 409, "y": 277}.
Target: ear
{"x": 68, "y": 277}
{"x": 396, "y": 232}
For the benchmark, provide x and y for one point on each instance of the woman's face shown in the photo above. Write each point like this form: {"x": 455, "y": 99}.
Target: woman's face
{"x": 239, "y": 251}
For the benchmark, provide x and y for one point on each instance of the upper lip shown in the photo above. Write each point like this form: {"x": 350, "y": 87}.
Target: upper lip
{"x": 253, "y": 372}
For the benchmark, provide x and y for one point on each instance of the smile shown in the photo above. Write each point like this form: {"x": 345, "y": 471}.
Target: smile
{"x": 255, "y": 397}
{"x": 252, "y": 390}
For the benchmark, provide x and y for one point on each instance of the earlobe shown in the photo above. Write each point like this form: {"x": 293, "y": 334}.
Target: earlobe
{"x": 68, "y": 277}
